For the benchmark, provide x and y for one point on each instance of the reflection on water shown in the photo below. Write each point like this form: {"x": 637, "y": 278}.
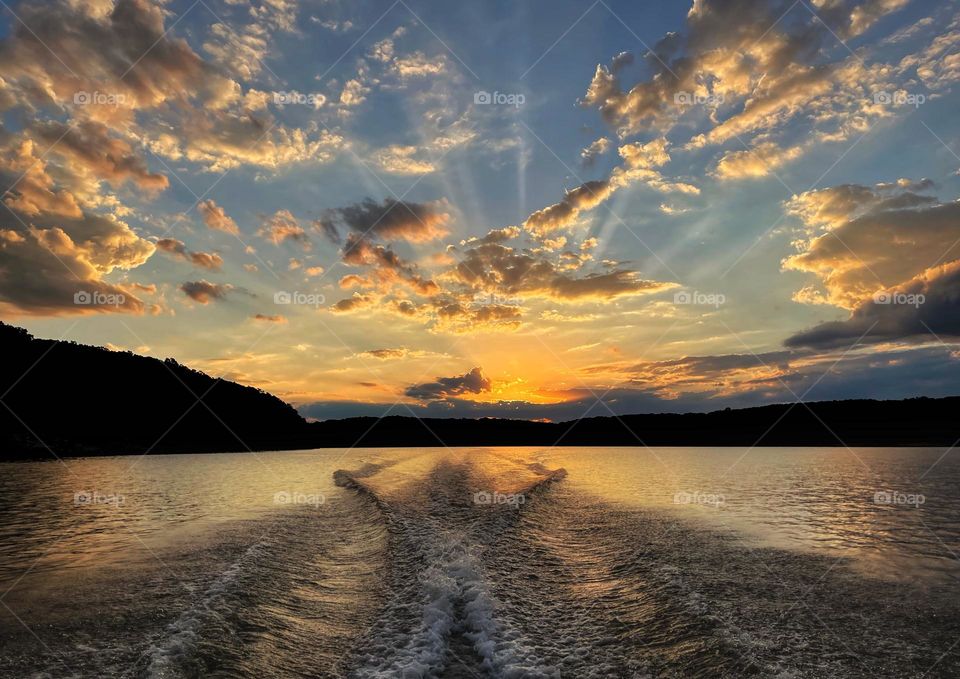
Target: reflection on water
{"x": 896, "y": 511}
{"x": 483, "y": 562}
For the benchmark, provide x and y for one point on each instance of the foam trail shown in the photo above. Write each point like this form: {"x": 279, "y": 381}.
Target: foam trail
{"x": 442, "y": 598}
{"x": 174, "y": 656}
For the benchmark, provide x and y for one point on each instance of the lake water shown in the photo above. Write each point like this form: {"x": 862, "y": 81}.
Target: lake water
{"x": 485, "y": 562}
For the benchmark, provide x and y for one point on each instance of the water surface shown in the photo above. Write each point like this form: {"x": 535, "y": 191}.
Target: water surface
{"x": 488, "y": 562}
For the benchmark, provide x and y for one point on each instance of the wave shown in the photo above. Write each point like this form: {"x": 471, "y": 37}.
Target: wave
{"x": 424, "y": 575}
{"x": 442, "y": 615}
{"x": 175, "y": 655}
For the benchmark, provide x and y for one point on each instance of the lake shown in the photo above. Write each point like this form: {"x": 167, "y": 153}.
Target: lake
{"x": 484, "y": 562}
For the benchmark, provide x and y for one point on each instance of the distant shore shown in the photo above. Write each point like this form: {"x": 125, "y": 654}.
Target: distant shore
{"x": 65, "y": 399}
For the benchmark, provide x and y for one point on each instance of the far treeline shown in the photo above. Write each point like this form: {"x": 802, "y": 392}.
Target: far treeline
{"x": 71, "y": 399}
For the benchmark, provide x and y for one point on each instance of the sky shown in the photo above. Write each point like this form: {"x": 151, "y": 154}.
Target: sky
{"x": 541, "y": 210}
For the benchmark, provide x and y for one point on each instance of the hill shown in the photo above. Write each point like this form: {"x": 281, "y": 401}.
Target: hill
{"x": 74, "y": 399}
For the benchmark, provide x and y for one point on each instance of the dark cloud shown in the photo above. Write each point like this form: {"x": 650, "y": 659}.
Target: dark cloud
{"x": 357, "y": 301}
{"x": 508, "y": 272}
{"x": 270, "y": 319}
{"x": 472, "y": 382}
{"x": 456, "y": 316}
{"x": 386, "y": 354}
{"x": 53, "y": 245}
{"x": 100, "y": 49}
{"x": 621, "y": 61}
{"x": 204, "y": 291}
{"x": 924, "y": 308}
{"x": 391, "y": 220}
{"x": 925, "y": 371}
{"x": 89, "y": 145}
{"x": 177, "y": 248}
{"x": 328, "y": 228}
{"x": 387, "y": 267}
{"x": 885, "y": 253}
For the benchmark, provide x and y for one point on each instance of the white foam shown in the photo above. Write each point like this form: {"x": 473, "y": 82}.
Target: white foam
{"x": 168, "y": 659}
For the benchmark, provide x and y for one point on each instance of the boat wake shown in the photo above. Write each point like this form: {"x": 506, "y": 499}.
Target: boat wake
{"x": 458, "y": 566}
{"x": 441, "y": 618}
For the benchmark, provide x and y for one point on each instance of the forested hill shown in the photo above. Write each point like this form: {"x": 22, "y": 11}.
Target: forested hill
{"x": 78, "y": 399}
{"x": 74, "y": 399}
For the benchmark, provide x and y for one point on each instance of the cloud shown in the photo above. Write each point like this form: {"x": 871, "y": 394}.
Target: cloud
{"x": 867, "y": 239}
{"x": 390, "y": 220}
{"x": 458, "y": 316}
{"x": 472, "y": 382}
{"x": 388, "y": 268}
{"x": 481, "y": 285}
{"x": 621, "y": 61}
{"x": 242, "y": 50}
{"x": 223, "y": 140}
{"x": 353, "y": 93}
{"x": 646, "y": 156}
{"x": 33, "y": 191}
{"x": 752, "y": 65}
{"x": 283, "y": 226}
{"x": 925, "y": 307}
{"x": 713, "y": 375}
{"x": 759, "y": 161}
{"x": 597, "y": 148}
{"x": 398, "y": 353}
{"x": 216, "y": 218}
{"x": 505, "y": 271}
{"x": 639, "y": 163}
{"x": 880, "y": 373}
{"x": 885, "y": 253}
{"x": 178, "y": 248}
{"x": 240, "y": 53}
{"x": 403, "y": 160}
{"x": 150, "y": 82}
{"x": 494, "y": 236}
{"x": 204, "y": 291}
{"x": 385, "y": 354}
{"x": 563, "y": 214}
{"x": 88, "y": 145}
{"x": 357, "y": 301}
{"x": 269, "y": 319}
{"x": 834, "y": 206}
{"x": 54, "y": 246}
{"x": 418, "y": 65}
{"x": 134, "y": 29}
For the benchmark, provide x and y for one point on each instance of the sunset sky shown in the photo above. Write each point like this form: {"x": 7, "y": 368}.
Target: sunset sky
{"x": 536, "y": 209}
